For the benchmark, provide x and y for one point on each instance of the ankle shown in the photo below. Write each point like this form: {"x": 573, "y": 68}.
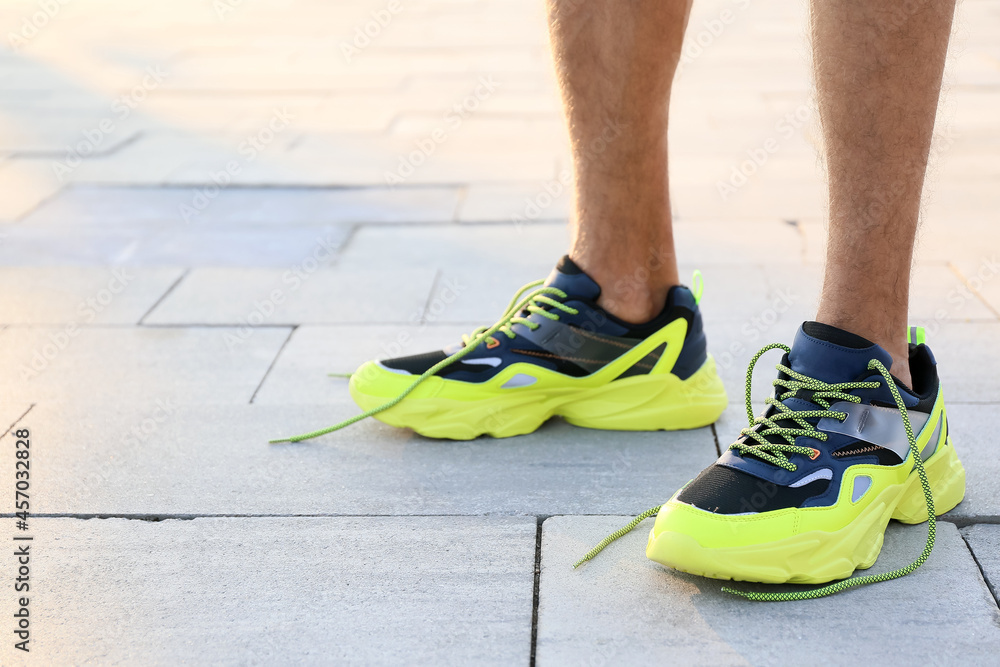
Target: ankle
{"x": 901, "y": 370}
{"x": 890, "y": 338}
{"x": 635, "y": 297}
{"x": 635, "y": 308}
{"x": 634, "y": 284}
{"x": 633, "y": 291}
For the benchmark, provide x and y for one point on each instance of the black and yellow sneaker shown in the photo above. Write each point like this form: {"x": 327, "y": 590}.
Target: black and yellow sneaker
{"x": 805, "y": 493}
{"x": 554, "y": 352}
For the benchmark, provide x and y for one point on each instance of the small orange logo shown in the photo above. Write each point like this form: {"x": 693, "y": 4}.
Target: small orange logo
{"x": 491, "y": 343}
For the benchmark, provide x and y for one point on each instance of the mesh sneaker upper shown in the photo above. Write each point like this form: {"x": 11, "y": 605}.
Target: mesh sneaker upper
{"x": 743, "y": 482}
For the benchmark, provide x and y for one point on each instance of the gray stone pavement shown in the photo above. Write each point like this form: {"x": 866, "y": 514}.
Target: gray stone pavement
{"x": 209, "y": 206}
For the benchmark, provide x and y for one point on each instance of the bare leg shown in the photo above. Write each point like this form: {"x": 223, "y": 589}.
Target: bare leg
{"x": 616, "y": 62}
{"x": 878, "y": 75}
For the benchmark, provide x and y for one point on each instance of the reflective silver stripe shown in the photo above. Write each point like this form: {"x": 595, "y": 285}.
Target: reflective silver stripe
{"x": 877, "y": 425}
{"x": 932, "y": 444}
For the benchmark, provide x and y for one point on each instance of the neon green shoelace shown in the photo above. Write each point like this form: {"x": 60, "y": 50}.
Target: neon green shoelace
{"x": 776, "y": 453}
{"x": 529, "y": 299}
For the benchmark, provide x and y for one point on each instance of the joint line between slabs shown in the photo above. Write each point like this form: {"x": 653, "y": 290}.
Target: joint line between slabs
{"x": 536, "y": 590}
{"x": 273, "y": 362}
{"x": 982, "y": 573}
{"x": 163, "y": 296}
{"x": 16, "y": 422}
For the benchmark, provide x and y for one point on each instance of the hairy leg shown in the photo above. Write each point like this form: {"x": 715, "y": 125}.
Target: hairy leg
{"x": 616, "y": 61}
{"x": 878, "y": 67}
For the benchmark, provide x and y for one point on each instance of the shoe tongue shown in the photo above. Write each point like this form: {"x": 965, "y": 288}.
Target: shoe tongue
{"x": 571, "y": 279}
{"x": 833, "y": 355}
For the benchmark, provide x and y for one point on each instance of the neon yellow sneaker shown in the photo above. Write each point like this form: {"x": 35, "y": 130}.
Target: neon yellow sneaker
{"x": 554, "y": 352}
{"x": 805, "y": 494}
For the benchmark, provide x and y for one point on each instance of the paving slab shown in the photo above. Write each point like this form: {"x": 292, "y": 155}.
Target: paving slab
{"x": 518, "y": 203}
{"x": 938, "y": 294}
{"x": 48, "y": 136}
{"x": 517, "y": 249}
{"x": 523, "y": 132}
{"x": 67, "y": 246}
{"x": 984, "y": 541}
{"x": 305, "y": 292}
{"x": 707, "y": 129}
{"x": 315, "y": 591}
{"x": 11, "y": 412}
{"x": 370, "y": 162}
{"x": 98, "y": 365}
{"x": 259, "y": 72}
{"x": 218, "y": 114}
{"x": 215, "y": 459}
{"x": 621, "y": 608}
{"x": 450, "y": 28}
{"x": 528, "y": 253}
{"x": 967, "y": 364}
{"x": 34, "y": 295}
{"x": 981, "y": 277}
{"x": 168, "y": 245}
{"x": 971, "y": 106}
{"x": 26, "y": 183}
{"x": 118, "y": 206}
{"x": 953, "y": 229}
{"x": 957, "y": 219}
{"x": 458, "y": 84}
{"x": 138, "y": 164}
{"x": 972, "y": 428}
{"x": 732, "y": 187}
{"x": 699, "y": 244}
{"x": 300, "y": 375}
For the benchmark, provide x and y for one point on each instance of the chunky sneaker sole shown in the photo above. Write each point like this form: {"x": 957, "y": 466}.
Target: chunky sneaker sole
{"x": 441, "y": 408}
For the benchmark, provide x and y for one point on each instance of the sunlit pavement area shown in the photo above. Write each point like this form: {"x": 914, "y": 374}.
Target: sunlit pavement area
{"x": 210, "y": 205}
